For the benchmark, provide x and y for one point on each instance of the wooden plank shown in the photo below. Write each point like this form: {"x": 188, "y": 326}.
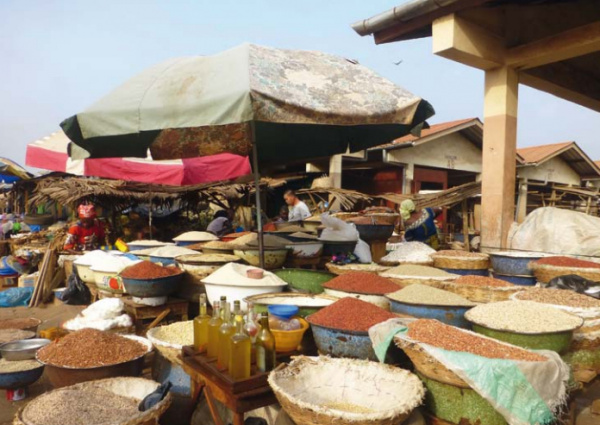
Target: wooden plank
{"x": 457, "y": 39}
{"x": 555, "y": 48}
{"x": 465, "y": 214}
{"x": 499, "y": 156}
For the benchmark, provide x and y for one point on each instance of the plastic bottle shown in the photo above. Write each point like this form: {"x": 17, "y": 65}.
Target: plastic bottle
{"x": 265, "y": 347}
{"x": 213, "y": 331}
{"x": 226, "y": 330}
{"x": 240, "y": 349}
{"x": 201, "y": 326}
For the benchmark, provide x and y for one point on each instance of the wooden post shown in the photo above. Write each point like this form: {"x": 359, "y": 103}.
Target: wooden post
{"x": 522, "y": 201}
{"x": 335, "y": 170}
{"x": 499, "y": 155}
{"x": 465, "y": 218}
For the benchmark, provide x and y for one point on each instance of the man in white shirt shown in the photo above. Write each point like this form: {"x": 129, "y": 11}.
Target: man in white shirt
{"x": 298, "y": 210}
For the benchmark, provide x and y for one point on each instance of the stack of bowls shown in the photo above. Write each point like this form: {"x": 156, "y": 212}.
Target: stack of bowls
{"x": 513, "y": 266}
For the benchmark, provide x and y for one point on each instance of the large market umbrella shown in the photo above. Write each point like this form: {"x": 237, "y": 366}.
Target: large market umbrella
{"x": 277, "y": 104}
{"x": 50, "y": 153}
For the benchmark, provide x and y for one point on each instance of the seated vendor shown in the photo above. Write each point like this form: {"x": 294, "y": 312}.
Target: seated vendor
{"x": 88, "y": 233}
{"x": 420, "y": 225}
{"x": 221, "y": 224}
{"x": 298, "y": 210}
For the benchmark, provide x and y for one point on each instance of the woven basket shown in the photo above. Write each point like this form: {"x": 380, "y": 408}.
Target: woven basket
{"x": 136, "y": 388}
{"x": 325, "y": 391}
{"x": 322, "y": 183}
{"x": 545, "y": 273}
{"x": 589, "y": 342}
{"x": 429, "y": 366}
{"x": 369, "y": 268}
{"x": 406, "y": 263}
{"x": 171, "y": 352}
{"x": 461, "y": 263}
{"x": 384, "y": 218}
{"x": 481, "y": 294}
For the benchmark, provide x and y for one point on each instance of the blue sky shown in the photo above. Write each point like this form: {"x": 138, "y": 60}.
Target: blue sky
{"x": 57, "y": 57}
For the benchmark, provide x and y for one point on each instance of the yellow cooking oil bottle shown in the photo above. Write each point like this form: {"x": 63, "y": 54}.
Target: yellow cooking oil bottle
{"x": 213, "y": 331}
{"x": 225, "y": 332}
{"x": 240, "y": 350}
{"x": 201, "y": 326}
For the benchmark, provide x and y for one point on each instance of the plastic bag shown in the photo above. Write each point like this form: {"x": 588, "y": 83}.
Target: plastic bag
{"x": 77, "y": 293}
{"x": 577, "y": 284}
{"x": 363, "y": 252}
{"x": 15, "y": 297}
{"x": 337, "y": 230}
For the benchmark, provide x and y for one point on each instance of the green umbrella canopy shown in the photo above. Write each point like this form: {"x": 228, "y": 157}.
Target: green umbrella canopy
{"x": 303, "y": 104}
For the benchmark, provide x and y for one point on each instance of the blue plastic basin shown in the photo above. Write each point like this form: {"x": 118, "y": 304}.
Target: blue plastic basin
{"x": 337, "y": 343}
{"x": 512, "y": 265}
{"x": 450, "y": 315}
{"x": 21, "y": 379}
{"x": 147, "y": 288}
{"x": 465, "y": 272}
{"x": 517, "y": 280}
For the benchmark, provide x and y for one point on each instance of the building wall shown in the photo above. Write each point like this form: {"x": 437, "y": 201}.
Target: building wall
{"x": 555, "y": 171}
{"x": 453, "y": 152}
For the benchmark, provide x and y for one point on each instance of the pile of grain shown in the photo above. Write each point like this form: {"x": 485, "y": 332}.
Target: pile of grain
{"x": 270, "y": 241}
{"x": 19, "y": 323}
{"x": 243, "y": 240}
{"x": 461, "y": 254}
{"x": 524, "y": 317}
{"x": 362, "y": 283}
{"x": 440, "y": 335}
{"x": 562, "y": 297}
{"x": 92, "y": 406}
{"x": 8, "y": 335}
{"x": 149, "y": 270}
{"x": 179, "y": 333}
{"x": 409, "y": 270}
{"x": 350, "y": 314}
{"x": 195, "y": 237}
{"x": 472, "y": 280}
{"x": 567, "y": 262}
{"x": 407, "y": 252}
{"x": 427, "y": 295}
{"x": 7, "y": 366}
{"x": 215, "y": 245}
{"x": 89, "y": 348}
{"x": 303, "y": 235}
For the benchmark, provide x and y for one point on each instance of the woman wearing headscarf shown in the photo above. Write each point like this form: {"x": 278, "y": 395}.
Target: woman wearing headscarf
{"x": 88, "y": 233}
{"x": 420, "y": 225}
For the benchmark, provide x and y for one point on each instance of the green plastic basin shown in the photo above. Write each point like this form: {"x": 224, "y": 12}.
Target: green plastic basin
{"x": 555, "y": 341}
{"x": 305, "y": 281}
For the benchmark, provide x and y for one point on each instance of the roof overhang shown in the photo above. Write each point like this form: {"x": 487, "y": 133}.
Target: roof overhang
{"x": 576, "y": 158}
{"x": 554, "y": 44}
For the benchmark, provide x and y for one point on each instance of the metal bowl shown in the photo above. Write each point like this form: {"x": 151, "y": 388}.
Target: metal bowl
{"x": 159, "y": 287}
{"x": 20, "y": 379}
{"x": 339, "y": 343}
{"x": 375, "y": 232}
{"x": 23, "y": 349}
{"x": 62, "y": 376}
{"x": 450, "y": 315}
{"x": 274, "y": 257}
{"x": 514, "y": 263}
{"x": 516, "y": 280}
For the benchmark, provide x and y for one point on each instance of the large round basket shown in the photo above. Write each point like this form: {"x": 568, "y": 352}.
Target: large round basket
{"x": 60, "y": 376}
{"x": 428, "y": 263}
{"x": 428, "y": 366}
{"x": 347, "y": 268}
{"x": 471, "y": 262}
{"x": 545, "y": 273}
{"x": 326, "y": 391}
{"x": 481, "y": 294}
{"x": 418, "y": 280}
{"x": 136, "y": 388}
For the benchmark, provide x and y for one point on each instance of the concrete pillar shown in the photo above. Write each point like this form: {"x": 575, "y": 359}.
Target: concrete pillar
{"x": 499, "y": 156}
{"x": 409, "y": 174}
{"x": 335, "y": 171}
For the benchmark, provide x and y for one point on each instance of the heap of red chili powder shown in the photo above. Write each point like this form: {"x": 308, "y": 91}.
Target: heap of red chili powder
{"x": 362, "y": 283}
{"x": 350, "y": 314}
{"x": 148, "y": 270}
{"x": 568, "y": 262}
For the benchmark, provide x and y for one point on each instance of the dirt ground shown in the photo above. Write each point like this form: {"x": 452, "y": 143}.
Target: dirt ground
{"x": 53, "y": 315}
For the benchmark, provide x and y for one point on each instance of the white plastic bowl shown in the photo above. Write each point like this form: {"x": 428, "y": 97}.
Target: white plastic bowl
{"x": 109, "y": 281}
{"x": 85, "y": 273}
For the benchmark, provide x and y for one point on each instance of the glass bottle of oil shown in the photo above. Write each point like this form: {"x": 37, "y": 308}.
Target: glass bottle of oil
{"x": 265, "y": 346}
{"x": 250, "y": 325}
{"x": 225, "y": 332}
{"x": 201, "y": 326}
{"x": 213, "y": 331}
{"x": 240, "y": 351}
{"x": 223, "y": 301}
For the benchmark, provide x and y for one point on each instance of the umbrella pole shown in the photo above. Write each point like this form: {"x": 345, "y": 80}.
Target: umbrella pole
{"x": 259, "y": 225}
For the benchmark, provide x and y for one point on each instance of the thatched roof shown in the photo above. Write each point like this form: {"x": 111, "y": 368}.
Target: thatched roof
{"x": 347, "y": 198}
{"x": 445, "y": 198}
{"x": 119, "y": 194}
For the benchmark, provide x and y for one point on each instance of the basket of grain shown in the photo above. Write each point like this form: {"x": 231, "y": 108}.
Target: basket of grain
{"x": 437, "y": 334}
{"x": 461, "y": 260}
{"x": 481, "y": 289}
{"x": 526, "y": 324}
{"x": 108, "y": 401}
{"x": 546, "y": 269}
{"x": 170, "y": 339}
{"x": 409, "y": 274}
{"x": 355, "y": 267}
{"x": 364, "y": 286}
{"x": 416, "y": 253}
{"x": 324, "y": 391}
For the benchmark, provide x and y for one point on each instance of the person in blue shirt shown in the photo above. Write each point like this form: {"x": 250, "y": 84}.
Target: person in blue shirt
{"x": 420, "y": 225}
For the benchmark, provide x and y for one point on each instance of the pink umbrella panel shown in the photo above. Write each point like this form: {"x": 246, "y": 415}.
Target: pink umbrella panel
{"x": 50, "y": 153}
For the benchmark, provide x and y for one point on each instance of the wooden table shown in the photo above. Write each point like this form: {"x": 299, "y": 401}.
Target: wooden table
{"x": 238, "y": 396}
{"x": 174, "y": 308}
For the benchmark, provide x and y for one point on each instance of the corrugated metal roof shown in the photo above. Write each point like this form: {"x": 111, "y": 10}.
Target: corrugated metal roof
{"x": 435, "y": 131}
{"x": 570, "y": 152}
